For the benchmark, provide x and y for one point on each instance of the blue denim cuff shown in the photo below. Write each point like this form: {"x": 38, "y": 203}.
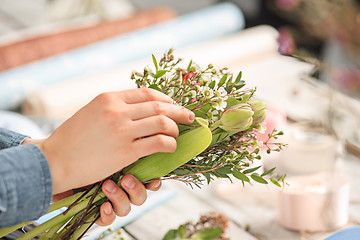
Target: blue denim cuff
{"x": 25, "y": 184}
{"x": 10, "y": 139}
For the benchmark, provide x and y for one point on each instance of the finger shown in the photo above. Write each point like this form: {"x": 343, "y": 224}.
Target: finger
{"x": 118, "y": 198}
{"x": 153, "y": 108}
{"x": 155, "y": 125}
{"x": 107, "y": 215}
{"x": 143, "y": 95}
{"x": 157, "y": 143}
{"x": 135, "y": 189}
{"x": 154, "y": 185}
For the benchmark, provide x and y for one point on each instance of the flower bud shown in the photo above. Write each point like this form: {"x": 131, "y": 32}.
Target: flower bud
{"x": 237, "y": 118}
{"x": 259, "y": 109}
{"x": 193, "y": 69}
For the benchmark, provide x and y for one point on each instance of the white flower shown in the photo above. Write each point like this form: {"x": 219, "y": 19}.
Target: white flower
{"x": 262, "y": 127}
{"x": 219, "y": 104}
{"x": 192, "y": 94}
{"x": 170, "y": 92}
{"x": 208, "y": 92}
{"x": 221, "y": 92}
{"x": 206, "y": 77}
{"x": 214, "y": 115}
{"x": 260, "y": 144}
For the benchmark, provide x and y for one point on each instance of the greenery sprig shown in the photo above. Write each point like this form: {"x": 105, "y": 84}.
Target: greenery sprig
{"x": 213, "y": 93}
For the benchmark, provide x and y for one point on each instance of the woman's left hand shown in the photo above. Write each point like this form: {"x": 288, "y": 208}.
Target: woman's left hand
{"x": 132, "y": 191}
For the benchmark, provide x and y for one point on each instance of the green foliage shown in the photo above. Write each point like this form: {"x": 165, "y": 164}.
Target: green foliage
{"x": 208, "y": 93}
{"x": 155, "y": 62}
{"x": 182, "y": 234}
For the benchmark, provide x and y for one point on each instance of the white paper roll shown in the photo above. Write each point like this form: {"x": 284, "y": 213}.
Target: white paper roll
{"x": 63, "y": 99}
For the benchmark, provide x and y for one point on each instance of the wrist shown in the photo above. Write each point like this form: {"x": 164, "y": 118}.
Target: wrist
{"x": 51, "y": 158}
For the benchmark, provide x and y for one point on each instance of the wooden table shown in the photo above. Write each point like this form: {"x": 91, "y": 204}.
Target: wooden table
{"x": 252, "y": 211}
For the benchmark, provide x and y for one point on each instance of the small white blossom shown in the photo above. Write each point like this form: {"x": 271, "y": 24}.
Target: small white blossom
{"x": 206, "y": 77}
{"x": 221, "y": 92}
{"x": 262, "y": 127}
{"x": 208, "y": 92}
{"x": 170, "y": 92}
{"x": 219, "y": 104}
{"x": 192, "y": 94}
{"x": 214, "y": 115}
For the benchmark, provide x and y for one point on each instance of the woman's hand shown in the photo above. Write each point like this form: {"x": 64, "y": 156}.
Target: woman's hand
{"x": 111, "y": 132}
{"x": 132, "y": 191}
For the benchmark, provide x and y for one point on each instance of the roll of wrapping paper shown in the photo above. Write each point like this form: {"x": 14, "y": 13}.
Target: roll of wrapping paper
{"x": 205, "y": 24}
{"x": 62, "y": 100}
{"x": 36, "y": 48}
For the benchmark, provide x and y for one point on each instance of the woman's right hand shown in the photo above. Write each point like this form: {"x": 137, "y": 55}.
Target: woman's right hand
{"x": 111, "y": 132}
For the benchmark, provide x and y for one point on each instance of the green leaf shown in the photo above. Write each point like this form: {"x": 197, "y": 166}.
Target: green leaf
{"x": 155, "y": 86}
{"x": 189, "y": 66}
{"x": 160, "y": 73}
{"x": 240, "y": 85}
{"x": 232, "y": 102}
{"x": 250, "y": 170}
{"x": 275, "y": 182}
{"x": 225, "y": 170}
{"x": 171, "y": 235}
{"x": 207, "y": 176}
{"x": 155, "y": 62}
{"x": 239, "y": 175}
{"x": 219, "y": 174}
{"x": 258, "y": 179}
{"x": 229, "y": 80}
{"x": 212, "y": 84}
{"x": 182, "y": 231}
{"x": 181, "y": 171}
{"x": 207, "y": 234}
{"x": 222, "y": 80}
{"x": 267, "y": 172}
{"x": 238, "y": 78}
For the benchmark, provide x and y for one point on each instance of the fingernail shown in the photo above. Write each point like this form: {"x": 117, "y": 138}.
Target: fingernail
{"x": 129, "y": 182}
{"x": 110, "y": 187}
{"x": 108, "y": 210}
{"x": 191, "y": 116}
{"x": 157, "y": 184}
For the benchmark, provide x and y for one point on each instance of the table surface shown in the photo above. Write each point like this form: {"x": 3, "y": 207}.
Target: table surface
{"x": 252, "y": 211}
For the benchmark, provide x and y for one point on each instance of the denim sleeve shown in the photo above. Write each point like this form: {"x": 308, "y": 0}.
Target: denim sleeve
{"x": 10, "y": 139}
{"x": 25, "y": 184}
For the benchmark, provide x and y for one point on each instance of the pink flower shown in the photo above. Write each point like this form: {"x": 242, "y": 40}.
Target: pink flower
{"x": 348, "y": 80}
{"x": 286, "y": 42}
{"x": 188, "y": 75}
{"x": 286, "y": 4}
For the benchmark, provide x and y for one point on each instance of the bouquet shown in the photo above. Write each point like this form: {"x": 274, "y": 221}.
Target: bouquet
{"x": 221, "y": 142}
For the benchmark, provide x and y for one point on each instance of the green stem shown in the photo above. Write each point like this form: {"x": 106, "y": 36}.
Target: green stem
{"x": 66, "y": 227}
{"x": 64, "y": 202}
{"x": 59, "y": 218}
{"x": 52, "y": 231}
{"x": 83, "y": 228}
{"x": 7, "y": 230}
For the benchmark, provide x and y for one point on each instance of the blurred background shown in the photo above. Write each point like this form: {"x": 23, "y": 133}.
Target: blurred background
{"x": 302, "y": 55}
